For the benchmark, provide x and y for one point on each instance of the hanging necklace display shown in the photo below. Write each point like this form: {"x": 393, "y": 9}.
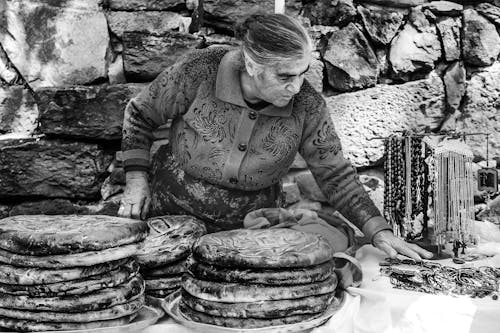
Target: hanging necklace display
{"x": 487, "y": 177}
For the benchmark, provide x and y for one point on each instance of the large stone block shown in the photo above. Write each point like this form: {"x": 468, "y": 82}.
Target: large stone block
{"x": 87, "y": 112}
{"x": 382, "y": 110}
{"x": 18, "y": 110}
{"x": 381, "y": 23}
{"x": 53, "y": 169}
{"x": 55, "y": 43}
{"x": 414, "y": 49}
{"x": 481, "y": 43}
{"x": 224, "y": 13}
{"x": 154, "y": 22}
{"x": 349, "y": 60}
{"x": 481, "y": 111}
{"x": 449, "y": 31}
{"x": 326, "y": 12}
{"x": 447, "y": 8}
{"x": 146, "y": 55}
{"x": 136, "y": 5}
{"x": 395, "y": 3}
{"x": 490, "y": 11}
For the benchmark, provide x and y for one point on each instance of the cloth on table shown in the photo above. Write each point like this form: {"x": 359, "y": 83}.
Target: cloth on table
{"x": 347, "y": 268}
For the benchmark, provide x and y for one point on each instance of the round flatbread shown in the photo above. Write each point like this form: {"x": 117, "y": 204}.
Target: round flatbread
{"x": 175, "y": 268}
{"x": 262, "y": 248}
{"x": 170, "y": 239}
{"x": 76, "y": 287}
{"x": 113, "y": 312}
{"x": 43, "y": 235}
{"x": 236, "y": 293}
{"x": 35, "y": 326}
{"x": 31, "y": 276}
{"x": 280, "y": 277}
{"x": 161, "y": 293}
{"x": 245, "y": 323}
{"x": 97, "y": 300}
{"x": 164, "y": 283}
{"x": 70, "y": 260}
{"x": 263, "y": 309}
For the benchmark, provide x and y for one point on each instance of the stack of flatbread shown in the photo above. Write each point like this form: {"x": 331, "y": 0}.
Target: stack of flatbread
{"x": 258, "y": 278}
{"x": 69, "y": 272}
{"x": 163, "y": 255}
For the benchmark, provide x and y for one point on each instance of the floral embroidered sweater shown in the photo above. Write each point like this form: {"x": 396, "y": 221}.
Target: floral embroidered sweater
{"x": 217, "y": 137}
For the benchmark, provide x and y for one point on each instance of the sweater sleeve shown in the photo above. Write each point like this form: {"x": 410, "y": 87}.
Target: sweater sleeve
{"x": 165, "y": 98}
{"x": 337, "y": 178}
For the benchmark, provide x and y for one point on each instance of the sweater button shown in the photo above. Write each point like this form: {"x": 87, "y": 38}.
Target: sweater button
{"x": 233, "y": 180}
{"x": 242, "y": 147}
{"x": 252, "y": 115}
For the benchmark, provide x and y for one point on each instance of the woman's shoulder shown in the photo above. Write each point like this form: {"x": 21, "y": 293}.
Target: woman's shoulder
{"x": 201, "y": 60}
{"x": 309, "y": 99}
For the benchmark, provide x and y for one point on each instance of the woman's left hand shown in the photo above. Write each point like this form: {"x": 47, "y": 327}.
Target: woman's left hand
{"x": 392, "y": 245}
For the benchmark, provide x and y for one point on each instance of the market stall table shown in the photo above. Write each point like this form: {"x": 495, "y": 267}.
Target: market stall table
{"x": 378, "y": 307}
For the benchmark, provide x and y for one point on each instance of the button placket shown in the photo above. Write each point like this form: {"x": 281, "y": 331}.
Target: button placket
{"x": 240, "y": 146}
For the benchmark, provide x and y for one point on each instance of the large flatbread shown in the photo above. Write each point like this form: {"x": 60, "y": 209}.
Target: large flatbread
{"x": 170, "y": 239}
{"x": 97, "y": 300}
{"x": 70, "y": 260}
{"x": 161, "y": 293}
{"x": 43, "y": 235}
{"x": 113, "y": 312}
{"x": 31, "y": 276}
{"x": 237, "y": 293}
{"x": 75, "y": 287}
{"x": 289, "y": 276}
{"x": 170, "y": 282}
{"x": 263, "y": 309}
{"x": 262, "y": 248}
{"x": 39, "y": 326}
{"x": 245, "y": 323}
{"x": 175, "y": 268}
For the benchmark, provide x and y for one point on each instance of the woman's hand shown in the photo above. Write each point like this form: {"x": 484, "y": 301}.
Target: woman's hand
{"x": 392, "y": 245}
{"x": 137, "y": 196}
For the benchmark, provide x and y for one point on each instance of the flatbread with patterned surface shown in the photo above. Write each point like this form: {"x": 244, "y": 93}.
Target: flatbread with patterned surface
{"x": 31, "y": 276}
{"x": 278, "y": 277}
{"x": 161, "y": 293}
{"x": 262, "y": 248}
{"x": 43, "y": 235}
{"x": 236, "y": 292}
{"x": 175, "y": 268}
{"x": 57, "y": 261}
{"x": 244, "y": 323}
{"x": 75, "y": 287}
{"x": 114, "y": 312}
{"x": 40, "y": 326}
{"x": 262, "y": 309}
{"x": 170, "y": 239}
{"x": 170, "y": 282}
{"x": 97, "y": 300}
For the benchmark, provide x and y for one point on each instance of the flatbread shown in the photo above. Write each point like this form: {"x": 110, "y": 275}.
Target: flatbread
{"x": 113, "y": 312}
{"x": 263, "y": 309}
{"x": 164, "y": 283}
{"x": 32, "y": 276}
{"x": 70, "y": 260}
{"x": 175, "y": 268}
{"x": 97, "y": 300}
{"x": 262, "y": 276}
{"x": 236, "y": 293}
{"x": 76, "y": 287}
{"x": 262, "y": 248}
{"x": 161, "y": 293}
{"x": 43, "y": 235}
{"x": 170, "y": 239}
{"x": 35, "y": 326}
{"x": 245, "y": 323}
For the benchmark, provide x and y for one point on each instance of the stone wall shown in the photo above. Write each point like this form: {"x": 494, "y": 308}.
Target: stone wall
{"x": 68, "y": 68}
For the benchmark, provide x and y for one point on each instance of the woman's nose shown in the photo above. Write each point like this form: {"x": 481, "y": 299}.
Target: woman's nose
{"x": 294, "y": 86}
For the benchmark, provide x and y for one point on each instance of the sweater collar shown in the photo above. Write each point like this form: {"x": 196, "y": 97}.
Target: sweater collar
{"x": 228, "y": 87}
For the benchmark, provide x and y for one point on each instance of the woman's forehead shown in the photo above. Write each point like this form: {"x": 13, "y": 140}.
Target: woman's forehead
{"x": 292, "y": 67}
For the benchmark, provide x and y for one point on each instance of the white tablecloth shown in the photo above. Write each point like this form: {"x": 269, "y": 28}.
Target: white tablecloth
{"x": 376, "y": 307}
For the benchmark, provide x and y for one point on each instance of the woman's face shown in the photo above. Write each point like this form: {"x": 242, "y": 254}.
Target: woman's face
{"x": 278, "y": 84}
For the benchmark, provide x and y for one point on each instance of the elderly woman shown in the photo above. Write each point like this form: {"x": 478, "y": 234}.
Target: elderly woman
{"x": 239, "y": 117}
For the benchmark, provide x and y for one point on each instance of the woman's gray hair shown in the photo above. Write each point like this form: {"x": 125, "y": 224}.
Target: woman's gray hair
{"x": 268, "y": 39}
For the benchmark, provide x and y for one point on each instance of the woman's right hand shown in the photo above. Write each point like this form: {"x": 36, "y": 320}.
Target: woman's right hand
{"x": 136, "y": 199}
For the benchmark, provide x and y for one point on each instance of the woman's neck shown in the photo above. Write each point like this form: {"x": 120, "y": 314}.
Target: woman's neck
{"x": 248, "y": 89}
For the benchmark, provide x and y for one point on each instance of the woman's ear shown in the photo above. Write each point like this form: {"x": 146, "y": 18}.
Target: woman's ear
{"x": 249, "y": 67}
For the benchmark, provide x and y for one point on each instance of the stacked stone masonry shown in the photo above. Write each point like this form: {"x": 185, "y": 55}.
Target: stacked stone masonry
{"x": 68, "y": 68}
